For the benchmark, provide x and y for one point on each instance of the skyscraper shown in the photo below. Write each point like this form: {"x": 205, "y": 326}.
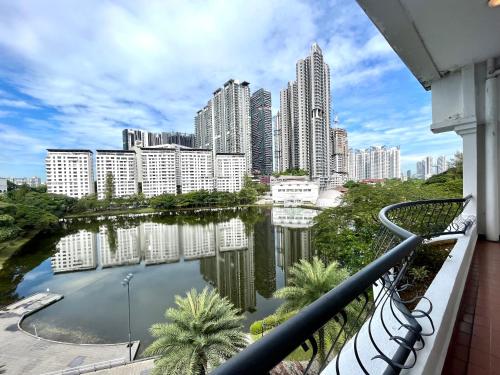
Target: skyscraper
{"x": 261, "y": 131}
{"x": 223, "y": 125}
{"x": 305, "y": 118}
{"x": 339, "y": 152}
{"x": 143, "y": 138}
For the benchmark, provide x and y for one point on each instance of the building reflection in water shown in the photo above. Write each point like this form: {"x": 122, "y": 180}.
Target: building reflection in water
{"x": 292, "y": 236}
{"x": 238, "y": 262}
{"x": 76, "y": 252}
{"x": 119, "y": 246}
{"x": 160, "y": 243}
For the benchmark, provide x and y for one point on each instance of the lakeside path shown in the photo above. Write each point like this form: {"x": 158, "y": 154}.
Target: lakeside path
{"x": 23, "y": 353}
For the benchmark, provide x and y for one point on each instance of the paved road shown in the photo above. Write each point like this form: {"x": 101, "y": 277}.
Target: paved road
{"x": 22, "y": 353}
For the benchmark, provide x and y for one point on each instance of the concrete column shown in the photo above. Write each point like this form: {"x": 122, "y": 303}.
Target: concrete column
{"x": 473, "y": 168}
{"x": 492, "y": 173}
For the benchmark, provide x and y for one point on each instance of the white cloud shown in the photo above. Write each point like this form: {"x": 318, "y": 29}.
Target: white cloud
{"x": 100, "y": 66}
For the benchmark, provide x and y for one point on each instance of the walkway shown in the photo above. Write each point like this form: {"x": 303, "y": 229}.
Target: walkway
{"x": 475, "y": 344}
{"x": 22, "y": 353}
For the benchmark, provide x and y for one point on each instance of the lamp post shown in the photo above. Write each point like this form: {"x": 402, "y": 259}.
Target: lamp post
{"x": 126, "y": 282}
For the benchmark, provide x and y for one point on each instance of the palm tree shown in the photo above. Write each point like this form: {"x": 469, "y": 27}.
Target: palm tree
{"x": 308, "y": 282}
{"x": 203, "y": 331}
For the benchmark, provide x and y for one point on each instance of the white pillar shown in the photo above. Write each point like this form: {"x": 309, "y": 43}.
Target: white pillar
{"x": 473, "y": 168}
{"x": 492, "y": 164}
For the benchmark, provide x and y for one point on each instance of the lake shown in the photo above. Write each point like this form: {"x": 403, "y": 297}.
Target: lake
{"x": 245, "y": 253}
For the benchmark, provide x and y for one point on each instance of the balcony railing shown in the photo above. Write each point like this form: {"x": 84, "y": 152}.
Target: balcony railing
{"x": 324, "y": 327}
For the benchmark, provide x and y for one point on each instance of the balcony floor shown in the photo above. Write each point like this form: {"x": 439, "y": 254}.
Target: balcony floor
{"x": 475, "y": 344}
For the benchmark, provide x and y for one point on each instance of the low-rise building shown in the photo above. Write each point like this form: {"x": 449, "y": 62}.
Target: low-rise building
{"x": 120, "y": 166}
{"x": 230, "y": 172}
{"x": 294, "y": 190}
{"x": 70, "y": 172}
{"x": 196, "y": 170}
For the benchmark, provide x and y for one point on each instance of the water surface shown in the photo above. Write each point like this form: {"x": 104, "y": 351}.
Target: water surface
{"x": 245, "y": 254}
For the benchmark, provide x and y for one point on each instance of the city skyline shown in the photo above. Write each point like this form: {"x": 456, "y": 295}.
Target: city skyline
{"x": 70, "y": 94}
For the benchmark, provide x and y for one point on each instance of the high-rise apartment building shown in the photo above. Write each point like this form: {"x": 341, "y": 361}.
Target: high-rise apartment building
{"x": 376, "y": 162}
{"x": 196, "y": 170}
{"x": 223, "y": 125}
{"x": 157, "y": 170}
{"x": 441, "y": 164}
{"x": 120, "y": 167}
{"x": 229, "y": 172}
{"x": 426, "y": 167}
{"x": 261, "y": 131}
{"x": 178, "y": 138}
{"x": 278, "y": 167}
{"x": 70, "y": 172}
{"x": 339, "y": 152}
{"x": 305, "y": 119}
{"x": 143, "y": 138}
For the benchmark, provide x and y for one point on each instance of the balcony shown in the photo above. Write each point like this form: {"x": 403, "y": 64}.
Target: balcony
{"x": 377, "y": 322}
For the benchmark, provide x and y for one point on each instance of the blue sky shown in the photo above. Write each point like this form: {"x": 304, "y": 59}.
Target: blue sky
{"x": 73, "y": 74}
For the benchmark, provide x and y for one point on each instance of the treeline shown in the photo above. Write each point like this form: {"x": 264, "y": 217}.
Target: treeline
{"x": 24, "y": 209}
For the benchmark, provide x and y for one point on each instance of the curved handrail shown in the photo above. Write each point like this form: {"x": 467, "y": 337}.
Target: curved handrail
{"x": 263, "y": 355}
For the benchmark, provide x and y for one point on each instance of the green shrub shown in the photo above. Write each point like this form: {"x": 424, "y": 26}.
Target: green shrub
{"x": 6, "y": 221}
{"x": 8, "y": 233}
{"x": 269, "y": 322}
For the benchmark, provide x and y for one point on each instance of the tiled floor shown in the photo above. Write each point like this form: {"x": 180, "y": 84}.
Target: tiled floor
{"x": 475, "y": 344}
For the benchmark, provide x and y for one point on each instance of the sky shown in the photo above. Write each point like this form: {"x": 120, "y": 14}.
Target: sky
{"x": 74, "y": 74}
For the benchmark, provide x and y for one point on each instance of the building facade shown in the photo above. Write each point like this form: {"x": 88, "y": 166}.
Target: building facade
{"x": 120, "y": 166}
{"x": 70, "y": 172}
{"x": 196, "y": 170}
{"x": 157, "y": 170}
{"x": 261, "y": 131}
{"x": 229, "y": 172}
{"x": 135, "y": 137}
{"x": 374, "y": 163}
{"x": 294, "y": 190}
{"x": 305, "y": 119}
{"x": 223, "y": 125}
{"x": 339, "y": 153}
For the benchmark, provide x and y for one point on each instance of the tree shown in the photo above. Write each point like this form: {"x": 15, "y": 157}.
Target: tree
{"x": 204, "y": 329}
{"x": 308, "y": 282}
{"x": 109, "y": 187}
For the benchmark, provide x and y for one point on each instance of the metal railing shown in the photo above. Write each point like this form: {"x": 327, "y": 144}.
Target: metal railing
{"x": 327, "y": 324}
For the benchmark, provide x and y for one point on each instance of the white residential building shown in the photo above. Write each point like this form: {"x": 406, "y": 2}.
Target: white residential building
{"x": 119, "y": 164}
{"x": 224, "y": 123}
{"x": 196, "y": 170}
{"x": 75, "y": 252}
{"x": 157, "y": 170}
{"x": 376, "y": 162}
{"x": 230, "y": 170}
{"x": 294, "y": 190}
{"x": 70, "y": 172}
{"x": 441, "y": 164}
{"x": 3, "y": 185}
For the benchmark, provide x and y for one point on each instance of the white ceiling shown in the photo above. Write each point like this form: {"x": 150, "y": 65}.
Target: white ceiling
{"x": 434, "y": 37}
